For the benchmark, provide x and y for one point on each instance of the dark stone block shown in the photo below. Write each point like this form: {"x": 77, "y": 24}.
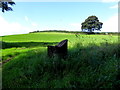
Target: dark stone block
{"x": 59, "y": 50}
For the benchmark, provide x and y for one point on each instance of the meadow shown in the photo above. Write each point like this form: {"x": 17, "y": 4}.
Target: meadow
{"x": 92, "y": 61}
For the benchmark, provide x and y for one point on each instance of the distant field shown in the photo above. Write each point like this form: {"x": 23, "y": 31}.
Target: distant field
{"x": 26, "y": 63}
{"x": 57, "y": 37}
{"x": 38, "y": 37}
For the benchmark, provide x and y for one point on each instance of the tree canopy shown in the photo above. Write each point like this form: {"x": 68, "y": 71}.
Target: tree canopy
{"x": 4, "y": 5}
{"x": 91, "y": 24}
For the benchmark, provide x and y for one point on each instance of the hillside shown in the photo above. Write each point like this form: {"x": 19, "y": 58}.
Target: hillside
{"x": 92, "y": 61}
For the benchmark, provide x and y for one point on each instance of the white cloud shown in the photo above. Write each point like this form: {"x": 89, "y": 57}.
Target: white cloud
{"x": 115, "y": 6}
{"x": 111, "y": 25}
{"x": 26, "y": 18}
{"x": 29, "y": 21}
{"x": 8, "y": 28}
{"x": 75, "y": 26}
{"x": 67, "y": 26}
{"x": 34, "y": 24}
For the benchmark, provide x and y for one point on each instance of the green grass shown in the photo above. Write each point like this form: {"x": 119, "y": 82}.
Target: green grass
{"x": 92, "y": 61}
{"x": 37, "y": 37}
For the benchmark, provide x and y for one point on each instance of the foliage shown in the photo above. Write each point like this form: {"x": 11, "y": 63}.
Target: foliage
{"x": 91, "y": 23}
{"x": 4, "y": 5}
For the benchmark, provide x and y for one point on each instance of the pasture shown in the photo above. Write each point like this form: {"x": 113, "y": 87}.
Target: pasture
{"x": 92, "y": 61}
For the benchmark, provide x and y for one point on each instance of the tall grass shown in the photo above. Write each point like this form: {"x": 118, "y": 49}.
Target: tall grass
{"x": 91, "y": 66}
{"x": 92, "y": 62}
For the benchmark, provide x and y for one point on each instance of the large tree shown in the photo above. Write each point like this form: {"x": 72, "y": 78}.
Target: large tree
{"x": 91, "y": 24}
{"x": 4, "y": 4}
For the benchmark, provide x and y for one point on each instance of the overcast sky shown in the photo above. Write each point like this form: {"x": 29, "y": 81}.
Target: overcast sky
{"x": 57, "y": 15}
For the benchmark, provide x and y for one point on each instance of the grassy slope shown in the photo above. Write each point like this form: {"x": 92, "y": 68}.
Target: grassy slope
{"x": 37, "y": 37}
{"x": 92, "y": 62}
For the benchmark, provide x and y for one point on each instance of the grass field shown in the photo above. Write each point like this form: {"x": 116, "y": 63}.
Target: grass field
{"x": 92, "y": 62}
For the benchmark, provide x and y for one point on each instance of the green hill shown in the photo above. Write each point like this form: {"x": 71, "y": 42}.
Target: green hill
{"x": 92, "y": 61}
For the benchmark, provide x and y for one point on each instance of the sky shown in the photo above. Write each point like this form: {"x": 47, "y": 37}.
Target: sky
{"x": 33, "y": 15}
